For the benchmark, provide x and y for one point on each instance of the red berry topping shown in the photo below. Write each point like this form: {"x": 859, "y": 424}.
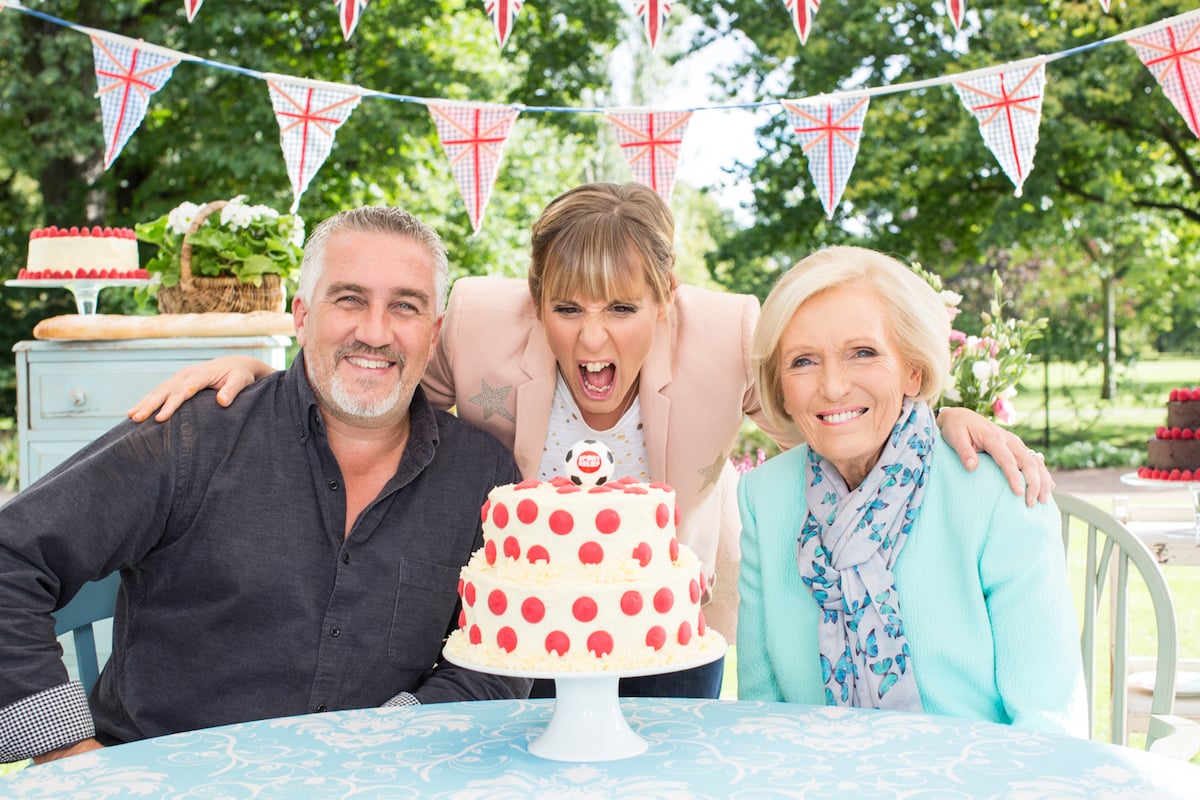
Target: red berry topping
{"x": 1194, "y": 394}
{"x": 1188, "y": 435}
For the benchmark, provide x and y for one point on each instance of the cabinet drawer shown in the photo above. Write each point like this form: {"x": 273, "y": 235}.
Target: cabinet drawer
{"x": 88, "y": 396}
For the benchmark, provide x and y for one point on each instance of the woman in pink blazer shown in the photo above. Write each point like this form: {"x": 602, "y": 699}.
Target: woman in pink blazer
{"x": 602, "y": 342}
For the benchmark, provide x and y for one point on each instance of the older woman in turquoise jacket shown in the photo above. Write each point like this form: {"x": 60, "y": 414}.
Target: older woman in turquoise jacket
{"x": 877, "y": 571}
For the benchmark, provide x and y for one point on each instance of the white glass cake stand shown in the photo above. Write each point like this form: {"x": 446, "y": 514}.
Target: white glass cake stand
{"x": 587, "y": 723}
{"x": 85, "y": 290}
{"x": 1193, "y": 487}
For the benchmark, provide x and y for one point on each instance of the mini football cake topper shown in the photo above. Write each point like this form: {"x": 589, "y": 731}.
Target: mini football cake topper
{"x": 589, "y": 463}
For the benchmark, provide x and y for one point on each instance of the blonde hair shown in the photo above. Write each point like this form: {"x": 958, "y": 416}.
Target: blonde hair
{"x": 599, "y": 240}
{"x": 915, "y": 317}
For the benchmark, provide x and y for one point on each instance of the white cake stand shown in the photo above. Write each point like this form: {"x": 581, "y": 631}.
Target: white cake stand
{"x": 587, "y": 723}
{"x": 85, "y": 290}
{"x": 1193, "y": 487}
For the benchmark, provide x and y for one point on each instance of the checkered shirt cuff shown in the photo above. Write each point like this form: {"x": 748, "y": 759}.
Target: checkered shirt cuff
{"x": 45, "y": 721}
{"x": 402, "y": 699}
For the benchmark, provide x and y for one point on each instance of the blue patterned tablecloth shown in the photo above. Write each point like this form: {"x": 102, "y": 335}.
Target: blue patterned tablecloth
{"x": 698, "y": 749}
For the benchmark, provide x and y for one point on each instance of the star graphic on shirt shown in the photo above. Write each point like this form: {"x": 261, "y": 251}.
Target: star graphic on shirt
{"x": 491, "y": 400}
{"x": 712, "y": 471}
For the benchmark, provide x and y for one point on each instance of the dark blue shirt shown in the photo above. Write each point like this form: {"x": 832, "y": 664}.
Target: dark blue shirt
{"x": 240, "y": 599}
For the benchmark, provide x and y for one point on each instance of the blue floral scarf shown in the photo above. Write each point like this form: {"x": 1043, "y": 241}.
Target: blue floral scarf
{"x": 847, "y": 547}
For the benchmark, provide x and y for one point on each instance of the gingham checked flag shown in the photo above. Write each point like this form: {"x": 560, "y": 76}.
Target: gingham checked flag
{"x": 1172, "y": 54}
{"x": 127, "y": 74}
{"x": 802, "y": 12}
{"x": 650, "y": 141}
{"x": 473, "y": 136}
{"x": 191, "y": 7}
{"x": 955, "y": 10}
{"x": 348, "y": 13}
{"x": 1007, "y": 104}
{"x": 503, "y": 14}
{"x": 309, "y": 114}
{"x": 653, "y": 15}
{"x": 830, "y": 129}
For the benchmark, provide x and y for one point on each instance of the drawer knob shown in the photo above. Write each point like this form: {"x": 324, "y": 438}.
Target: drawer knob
{"x": 78, "y": 396}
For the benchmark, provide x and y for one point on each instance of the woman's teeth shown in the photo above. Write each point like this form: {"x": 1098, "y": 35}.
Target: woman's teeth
{"x": 842, "y": 416}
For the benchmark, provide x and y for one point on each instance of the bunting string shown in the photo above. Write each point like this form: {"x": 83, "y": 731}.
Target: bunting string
{"x": 1005, "y": 99}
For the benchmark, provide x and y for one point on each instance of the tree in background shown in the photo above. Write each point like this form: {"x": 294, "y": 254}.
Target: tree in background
{"x": 1114, "y": 161}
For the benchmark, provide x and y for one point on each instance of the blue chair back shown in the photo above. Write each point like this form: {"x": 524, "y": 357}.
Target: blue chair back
{"x": 94, "y": 602}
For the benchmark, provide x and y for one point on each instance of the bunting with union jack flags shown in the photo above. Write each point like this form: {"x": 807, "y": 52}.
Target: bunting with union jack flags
{"x": 191, "y": 7}
{"x": 503, "y": 14}
{"x": 1172, "y": 54}
{"x": 473, "y": 136}
{"x": 653, "y": 15}
{"x": 650, "y": 141}
{"x": 128, "y": 73}
{"x": 802, "y": 12}
{"x": 830, "y": 129}
{"x": 309, "y": 114}
{"x": 1007, "y": 103}
{"x": 348, "y": 13}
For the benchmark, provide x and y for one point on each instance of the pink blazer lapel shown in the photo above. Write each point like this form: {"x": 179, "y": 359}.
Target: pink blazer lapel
{"x": 534, "y": 398}
{"x": 653, "y": 398}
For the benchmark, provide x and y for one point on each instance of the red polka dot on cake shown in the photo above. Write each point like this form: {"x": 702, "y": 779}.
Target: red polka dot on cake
{"x": 584, "y": 609}
{"x": 656, "y": 637}
{"x": 500, "y": 515}
{"x": 497, "y": 602}
{"x": 469, "y": 593}
{"x": 557, "y": 642}
{"x": 600, "y": 643}
{"x": 462, "y": 618}
{"x": 527, "y": 511}
{"x": 483, "y": 512}
{"x": 532, "y": 483}
{"x": 561, "y": 522}
{"x": 506, "y": 638}
{"x": 474, "y": 636}
{"x": 674, "y": 550}
{"x": 694, "y": 591}
{"x": 664, "y": 599}
{"x": 685, "y": 633}
{"x": 533, "y": 610}
{"x": 631, "y": 602}
{"x": 512, "y": 547}
{"x": 662, "y": 515}
{"x": 608, "y": 521}
{"x": 538, "y": 553}
{"x": 591, "y": 553}
{"x": 489, "y": 551}
{"x": 701, "y": 624}
{"x": 643, "y": 553}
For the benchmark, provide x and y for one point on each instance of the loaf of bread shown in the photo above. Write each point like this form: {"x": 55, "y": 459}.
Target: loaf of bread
{"x": 164, "y": 326}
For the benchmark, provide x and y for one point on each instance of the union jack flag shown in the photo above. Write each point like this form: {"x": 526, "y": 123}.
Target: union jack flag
{"x": 503, "y": 14}
{"x": 802, "y": 12}
{"x": 650, "y": 141}
{"x": 1172, "y": 54}
{"x": 309, "y": 114}
{"x": 191, "y": 7}
{"x": 348, "y": 13}
{"x": 653, "y": 15}
{"x": 830, "y": 129}
{"x": 955, "y": 9}
{"x": 1007, "y": 103}
{"x": 473, "y": 136}
{"x": 128, "y": 73}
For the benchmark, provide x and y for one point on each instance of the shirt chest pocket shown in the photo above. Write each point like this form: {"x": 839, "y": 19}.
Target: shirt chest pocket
{"x": 426, "y": 599}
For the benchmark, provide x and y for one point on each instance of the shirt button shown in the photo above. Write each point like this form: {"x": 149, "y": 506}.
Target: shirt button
{"x": 335, "y": 631}
{"x": 334, "y": 485}
{"x": 345, "y": 558}
{"x": 320, "y": 708}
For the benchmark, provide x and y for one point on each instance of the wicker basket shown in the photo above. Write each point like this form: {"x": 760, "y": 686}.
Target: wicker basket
{"x": 198, "y": 295}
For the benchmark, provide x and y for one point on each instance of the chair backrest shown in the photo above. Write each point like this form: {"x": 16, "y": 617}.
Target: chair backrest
{"x": 1111, "y": 550}
{"x": 94, "y": 602}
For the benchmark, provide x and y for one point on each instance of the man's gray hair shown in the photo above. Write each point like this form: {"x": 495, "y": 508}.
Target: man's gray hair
{"x": 373, "y": 219}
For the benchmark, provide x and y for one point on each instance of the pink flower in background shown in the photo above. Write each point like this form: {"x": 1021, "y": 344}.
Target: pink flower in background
{"x": 745, "y": 462}
{"x": 1003, "y": 411}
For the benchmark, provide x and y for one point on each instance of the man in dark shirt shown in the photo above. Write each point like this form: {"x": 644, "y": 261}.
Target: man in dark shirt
{"x": 295, "y": 553}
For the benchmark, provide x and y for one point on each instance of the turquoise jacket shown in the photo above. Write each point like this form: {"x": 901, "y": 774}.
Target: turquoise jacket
{"x": 983, "y": 590}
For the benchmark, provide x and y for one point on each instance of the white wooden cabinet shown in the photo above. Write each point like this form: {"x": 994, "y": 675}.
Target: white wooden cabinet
{"x": 69, "y": 393}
